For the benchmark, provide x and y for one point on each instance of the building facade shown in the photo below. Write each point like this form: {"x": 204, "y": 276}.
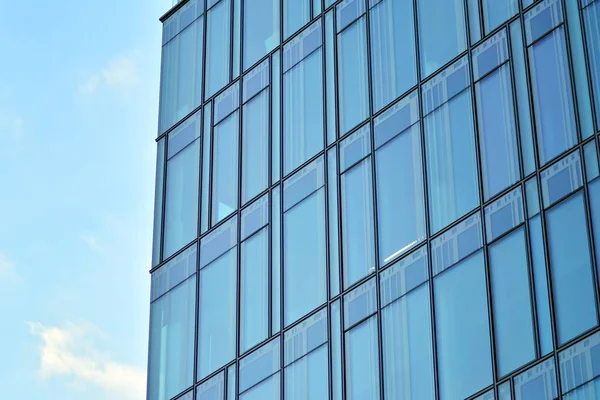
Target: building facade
{"x": 377, "y": 199}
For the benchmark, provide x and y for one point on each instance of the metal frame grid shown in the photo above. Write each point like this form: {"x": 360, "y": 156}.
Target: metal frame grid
{"x": 327, "y": 147}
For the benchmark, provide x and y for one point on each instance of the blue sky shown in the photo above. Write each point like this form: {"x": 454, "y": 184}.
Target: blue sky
{"x": 78, "y": 117}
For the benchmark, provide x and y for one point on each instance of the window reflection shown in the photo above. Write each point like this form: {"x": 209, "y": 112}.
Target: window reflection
{"x": 362, "y": 361}
{"x": 261, "y": 29}
{"x": 225, "y": 168}
{"x": 218, "y": 40}
{"x": 255, "y": 146}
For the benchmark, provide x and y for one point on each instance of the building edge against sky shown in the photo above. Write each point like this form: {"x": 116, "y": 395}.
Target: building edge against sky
{"x": 377, "y": 199}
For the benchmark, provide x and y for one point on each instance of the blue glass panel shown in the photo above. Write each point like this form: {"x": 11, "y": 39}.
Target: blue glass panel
{"x": 348, "y": 11}
{"x": 225, "y": 168}
{"x": 522, "y": 94}
{"x": 393, "y": 58}
{"x": 513, "y": 318}
{"x": 360, "y": 303}
{"x": 456, "y": 243}
{"x": 451, "y": 163}
{"x": 407, "y": 347}
{"x": 532, "y": 195}
{"x": 362, "y": 361}
{"x": 352, "y": 76}
{"x": 206, "y": 159}
{"x": 573, "y": 285}
{"x": 231, "y": 377}
{"x": 307, "y": 378}
{"x": 495, "y": 12}
{"x": 218, "y": 42}
{"x": 594, "y": 191}
{"x": 171, "y": 361}
{"x": 184, "y": 134}
{"x": 489, "y": 395}
{"x": 304, "y": 255}
{"x": 217, "y": 331}
{"x": 255, "y": 80}
{"x": 255, "y": 146}
{"x": 497, "y": 132}
{"x": 490, "y": 54}
{"x": 212, "y": 389}
{"x": 218, "y": 242}
{"x": 355, "y": 147}
{"x": 259, "y": 364}
{"x": 276, "y": 258}
{"x": 158, "y": 203}
{"x": 181, "y": 200}
{"x": 463, "y": 337}
{"x": 591, "y": 161}
{"x": 255, "y": 216}
{"x": 305, "y": 337}
{"x": 334, "y": 210}
{"x": 336, "y": 350}
{"x": 266, "y": 390}
{"x": 591, "y": 16}
{"x": 542, "y": 19}
{"x": 540, "y": 277}
{"x": 330, "y": 78}
{"x": 237, "y": 33}
{"x": 442, "y": 32}
{"x": 177, "y": 270}
{"x": 303, "y": 183}
{"x": 474, "y": 23}
{"x": 254, "y": 290}
{"x": 579, "y": 363}
{"x": 552, "y": 97}
{"x": 181, "y": 73}
{"x": 538, "y": 382}
{"x": 296, "y": 13}
{"x": 396, "y": 119}
{"x": 302, "y": 108}
{"x": 358, "y": 253}
{"x": 400, "y": 195}
{"x": 582, "y": 86}
{"x": 504, "y": 391}
{"x": 226, "y": 102}
{"x": 504, "y": 214}
{"x": 261, "y": 29}
{"x": 590, "y": 390}
{"x": 561, "y": 178}
{"x": 276, "y": 105}
{"x": 446, "y": 85}
{"x": 403, "y": 276}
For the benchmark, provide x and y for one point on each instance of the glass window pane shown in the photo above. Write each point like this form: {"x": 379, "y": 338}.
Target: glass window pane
{"x": 591, "y": 161}
{"x": 276, "y": 117}
{"x": 225, "y": 168}
{"x": 393, "y": 58}
{"x": 463, "y": 337}
{"x": 591, "y": 16}
{"x": 304, "y": 252}
{"x": 181, "y": 201}
{"x": 497, "y": 132}
{"x": 513, "y": 321}
{"x": 400, "y": 194}
{"x": 457, "y": 243}
{"x": 261, "y": 29}
{"x": 304, "y": 337}
{"x": 474, "y": 23}
{"x": 158, "y": 203}
{"x": 357, "y": 223}
{"x": 594, "y": 192}
{"x": 407, "y": 347}
{"x": 590, "y": 390}
{"x": 260, "y": 364}
{"x": 237, "y": 33}
{"x": 266, "y": 390}
{"x": 217, "y": 47}
{"x": 495, "y": 12}
{"x": 504, "y": 391}
{"x": 254, "y": 290}
{"x": 561, "y": 179}
{"x": 330, "y": 78}
{"x": 213, "y": 389}
{"x": 573, "y": 284}
{"x": 296, "y": 13}
{"x": 181, "y": 73}
{"x": 532, "y": 196}
{"x": 360, "y": 302}
{"x": 231, "y": 373}
{"x": 579, "y": 363}
{"x": 336, "y": 350}
{"x": 171, "y": 366}
{"x": 540, "y": 276}
{"x": 217, "y": 327}
{"x": 552, "y": 97}
{"x": 451, "y": 163}
{"x": 362, "y": 361}
{"x": 255, "y": 146}
{"x": 504, "y": 214}
{"x": 307, "y": 378}
{"x": 442, "y": 32}
{"x": 403, "y": 276}
{"x": 538, "y": 382}
{"x": 276, "y": 258}
{"x": 352, "y": 75}
{"x": 334, "y": 242}
{"x": 302, "y": 102}
{"x": 206, "y": 159}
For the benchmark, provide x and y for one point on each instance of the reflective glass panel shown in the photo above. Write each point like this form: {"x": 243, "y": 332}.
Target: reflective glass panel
{"x": 393, "y": 58}
{"x": 407, "y": 347}
{"x": 336, "y": 350}
{"x": 594, "y": 191}
{"x": 158, "y": 203}
{"x": 591, "y": 16}
{"x": 307, "y": 377}
{"x": 573, "y": 285}
{"x": 442, "y": 32}
{"x": 260, "y": 364}
{"x": 362, "y": 361}
{"x": 171, "y": 361}
{"x": 218, "y": 42}
{"x": 352, "y": 75}
{"x": 463, "y": 337}
{"x": 212, "y": 389}
{"x": 266, "y": 390}
{"x": 538, "y": 382}
{"x": 254, "y": 290}
{"x": 495, "y": 12}
{"x": 513, "y": 317}
{"x": 225, "y": 168}
{"x": 579, "y": 363}
{"x": 217, "y": 327}
{"x": 261, "y": 29}
{"x": 357, "y": 222}
{"x": 255, "y": 146}
{"x": 296, "y": 13}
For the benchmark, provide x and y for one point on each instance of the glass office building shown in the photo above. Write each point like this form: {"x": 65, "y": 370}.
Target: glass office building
{"x": 377, "y": 199}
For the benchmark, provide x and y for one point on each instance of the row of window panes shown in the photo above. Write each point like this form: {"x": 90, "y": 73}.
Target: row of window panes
{"x": 393, "y": 62}
{"x": 459, "y": 285}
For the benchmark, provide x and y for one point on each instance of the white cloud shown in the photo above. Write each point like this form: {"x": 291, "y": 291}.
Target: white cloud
{"x": 70, "y": 352}
{"x": 120, "y": 74}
